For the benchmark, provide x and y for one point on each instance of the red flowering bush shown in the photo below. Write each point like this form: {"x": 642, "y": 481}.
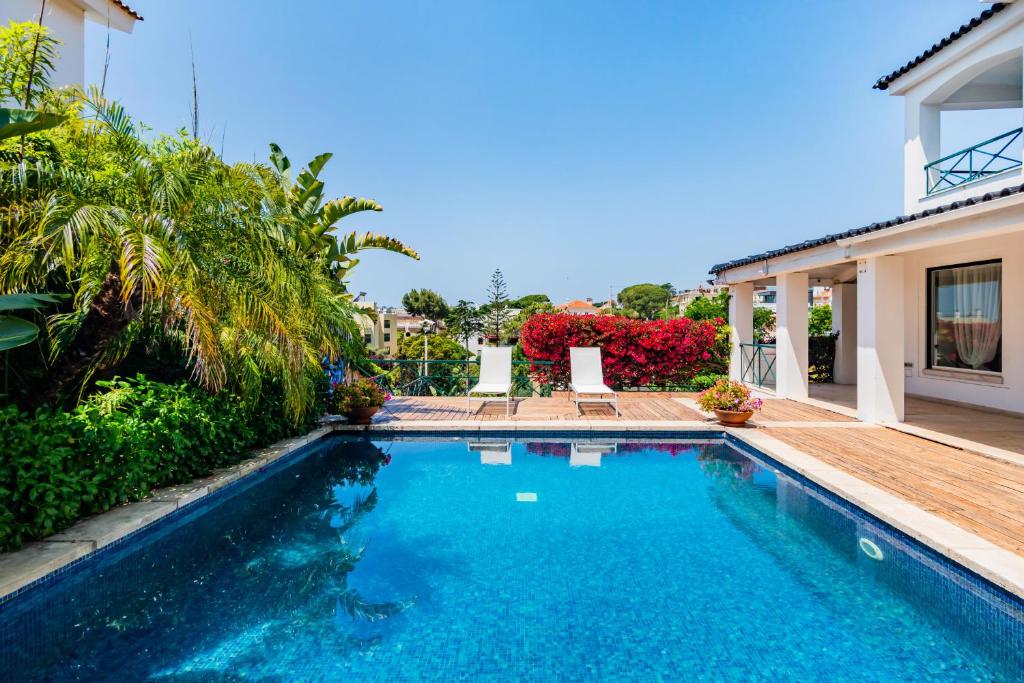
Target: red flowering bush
{"x": 633, "y": 352}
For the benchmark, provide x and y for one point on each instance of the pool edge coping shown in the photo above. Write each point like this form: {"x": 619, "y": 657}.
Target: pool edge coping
{"x": 40, "y": 560}
{"x": 1000, "y": 566}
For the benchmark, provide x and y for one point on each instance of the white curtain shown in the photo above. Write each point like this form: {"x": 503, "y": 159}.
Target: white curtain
{"x": 977, "y": 327}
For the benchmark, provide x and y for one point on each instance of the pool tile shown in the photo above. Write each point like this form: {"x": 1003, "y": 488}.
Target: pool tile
{"x": 35, "y": 560}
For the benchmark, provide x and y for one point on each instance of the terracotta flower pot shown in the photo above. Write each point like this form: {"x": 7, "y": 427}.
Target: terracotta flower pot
{"x": 733, "y": 418}
{"x": 361, "y": 416}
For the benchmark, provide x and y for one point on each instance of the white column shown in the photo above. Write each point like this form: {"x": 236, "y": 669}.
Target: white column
{"x": 844, "y": 321}
{"x": 741, "y": 320}
{"x": 791, "y": 336}
{"x": 880, "y": 339}
{"x": 922, "y": 131}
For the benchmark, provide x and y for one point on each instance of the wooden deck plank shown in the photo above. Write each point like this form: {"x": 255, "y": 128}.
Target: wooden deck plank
{"x": 645, "y": 407}
{"x": 784, "y": 410}
{"x": 984, "y": 495}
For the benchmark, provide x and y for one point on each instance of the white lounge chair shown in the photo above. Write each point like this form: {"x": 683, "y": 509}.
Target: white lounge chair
{"x": 588, "y": 378}
{"x": 589, "y": 454}
{"x": 495, "y": 377}
{"x": 492, "y": 453}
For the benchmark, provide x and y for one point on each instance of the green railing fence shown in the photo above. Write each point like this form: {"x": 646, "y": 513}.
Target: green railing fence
{"x": 454, "y": 377}
{"x": 757, "y": 364}
{"x": 974, "y": 163}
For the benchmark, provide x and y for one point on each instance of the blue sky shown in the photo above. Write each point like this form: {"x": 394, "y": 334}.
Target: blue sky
{"x": 578, "y": 146}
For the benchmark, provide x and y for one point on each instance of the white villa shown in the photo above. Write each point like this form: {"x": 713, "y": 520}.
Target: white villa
{"x": 65, "y": 20}
{"x": 924, "y": 303}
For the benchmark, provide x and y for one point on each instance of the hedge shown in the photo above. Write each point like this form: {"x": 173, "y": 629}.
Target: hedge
{"x": 633, "y": 352}
{"x": 59, "y": 466}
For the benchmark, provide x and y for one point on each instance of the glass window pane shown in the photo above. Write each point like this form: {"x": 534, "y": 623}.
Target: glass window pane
{"x": 966, "y": 317}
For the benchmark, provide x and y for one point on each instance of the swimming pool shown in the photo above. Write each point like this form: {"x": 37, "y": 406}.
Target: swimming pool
{"x": 538, "y": 559}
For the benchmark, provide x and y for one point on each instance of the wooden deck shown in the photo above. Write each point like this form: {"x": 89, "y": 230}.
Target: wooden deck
{"x": 962, "y": 483}
{"x": 978, "y": 493}
{"x": 558, "y": 407}
{"x": 989, "y": 428}
{"x": 784, "y": 410}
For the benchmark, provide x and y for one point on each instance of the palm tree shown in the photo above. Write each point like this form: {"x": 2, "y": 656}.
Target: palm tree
{"x": 233, "y": 263}
{"x": 301, "y": 205}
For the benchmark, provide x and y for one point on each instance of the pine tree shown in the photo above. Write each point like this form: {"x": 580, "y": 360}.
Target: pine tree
{"x": 498, "y": 313}
{"x": 464, "y": 321}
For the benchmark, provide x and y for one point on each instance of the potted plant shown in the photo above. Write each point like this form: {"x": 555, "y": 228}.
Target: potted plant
{"x": 358, "y": 401}
{"x": 730, "y": 400}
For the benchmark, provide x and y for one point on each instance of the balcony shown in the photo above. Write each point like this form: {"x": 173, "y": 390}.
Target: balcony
{"x": 981, "y": 161}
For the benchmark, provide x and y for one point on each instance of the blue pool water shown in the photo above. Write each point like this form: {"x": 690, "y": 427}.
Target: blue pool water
{"x": 579, "y": 561}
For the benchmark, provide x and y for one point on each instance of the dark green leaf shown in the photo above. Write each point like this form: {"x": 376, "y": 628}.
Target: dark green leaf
{"x": 15, "y": 122}
{"x": 13, "y": 302}
{"x": 15, "y": 332}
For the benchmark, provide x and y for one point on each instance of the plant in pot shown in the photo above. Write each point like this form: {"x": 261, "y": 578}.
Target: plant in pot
{"x": 730, "y": 400}
{"x": 358, "y": 401}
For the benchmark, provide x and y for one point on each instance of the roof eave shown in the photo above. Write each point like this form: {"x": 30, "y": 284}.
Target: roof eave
{"x": 968, "y": 35}
{"x": 951, "y": 211}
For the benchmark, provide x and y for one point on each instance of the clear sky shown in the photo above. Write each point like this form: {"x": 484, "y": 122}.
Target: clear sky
{"x": 579, "y": 146}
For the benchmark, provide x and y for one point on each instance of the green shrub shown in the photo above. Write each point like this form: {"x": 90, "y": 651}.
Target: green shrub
{"x": 705, "y": 380}
{"x": 115, "y": 447}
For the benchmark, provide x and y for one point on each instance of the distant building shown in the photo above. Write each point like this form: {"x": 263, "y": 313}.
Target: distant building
{"x": 764, "y": 297}
{"x": 821, "y": 296}
{"x": 578, "y": 307}
{"x": 487, "y": 338}
{"x": 688, "y": 296}
{"x": 378, "y": 329}
{"x": 65, "y": 20}
{"x": 383, "y": 327}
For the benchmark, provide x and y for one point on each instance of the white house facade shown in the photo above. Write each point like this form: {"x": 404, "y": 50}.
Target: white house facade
{"x": 926, "y": 303}
{"x": 65, "y": 20}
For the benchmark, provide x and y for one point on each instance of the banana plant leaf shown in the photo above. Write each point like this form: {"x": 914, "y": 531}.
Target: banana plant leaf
{"x": 21, "y": 302}
{"x": 15, "y": 332}
{"x": 15, "y": 122}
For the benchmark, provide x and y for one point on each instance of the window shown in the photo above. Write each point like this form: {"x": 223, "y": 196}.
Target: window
{"x": 367, "y": 338}
{"x": 965, "y": 326}
{"x": 387, "y": 337}
{"x": 387, "y": 324}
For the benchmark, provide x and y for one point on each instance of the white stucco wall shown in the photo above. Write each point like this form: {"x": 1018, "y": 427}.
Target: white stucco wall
{"x": 1006, "y": 396}
{"x": 66, "y": 23}
{"x": 926, "y": 88}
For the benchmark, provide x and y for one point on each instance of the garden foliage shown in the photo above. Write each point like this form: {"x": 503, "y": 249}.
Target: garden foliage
{"x": 57, "y": 466}
{"x": 633, "y": 352}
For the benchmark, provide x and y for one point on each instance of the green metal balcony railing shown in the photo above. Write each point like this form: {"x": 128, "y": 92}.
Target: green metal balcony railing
{"x": 454, "y": 377}
{"x": 757, "y": 364}
{"x": 983, "y": 160}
